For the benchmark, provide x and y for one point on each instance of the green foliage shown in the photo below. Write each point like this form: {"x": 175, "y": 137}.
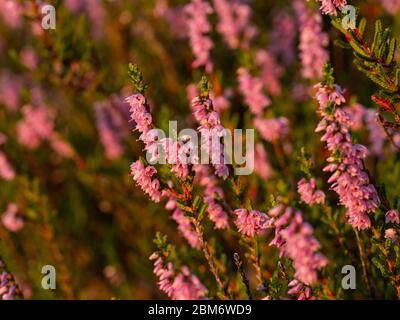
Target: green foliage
{"x": 137, "y": 78}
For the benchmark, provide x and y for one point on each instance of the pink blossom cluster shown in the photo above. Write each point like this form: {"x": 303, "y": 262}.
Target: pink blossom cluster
{"x": 377, "y": 135}
{"x": 330, "y": 6}
{"x": 307, "y": 192}
{"x": 7, "y": 172}
{"x": 220, "y": 102}
{"x": 185, "y": 226}
{"x": 176, "y": 153}
{"x": 313, "y": 41}
{"x": 251, "y": 89}
{"x": 234, "y": 22}
{"x": 36, "y": 126}
{"x": 110, "y": 135}
{"x": 7, "y": 287}
{"x": 197, "y": 12}
{"x": 216, "y": 213}
{"x": 283, "y": 36}
{"x": 391, "y": 234}
{"x": 271, "y": 71}
{"x": 10, "y": 218}
{"x": 143, "y": 177}
{"x": 295, "y": 240}
{"x": 181, "y": 286}
{"x": 139, "y": 114}
{"x": 10, "y": 86}
{"x": 111, "y": 119}
{"x": 11, "y": 12}
{"x": 272, "y": 130}
{"x": 349, "y": 179}
{"x": 29, "y": 58}
{"x": 180, "y": 154}
{"x": 253, "y": 222}
{"x": 262, "y": 166}
{"x": 392, "y": 216}
{"x": 211, "y": 131}
{"x": 177, "y": 21}
{"x": 298, "y": 288}
{"x": 391, "y": 6}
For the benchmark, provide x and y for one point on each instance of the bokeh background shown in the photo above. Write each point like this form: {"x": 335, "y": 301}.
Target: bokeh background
{"x": 80, "y": 209}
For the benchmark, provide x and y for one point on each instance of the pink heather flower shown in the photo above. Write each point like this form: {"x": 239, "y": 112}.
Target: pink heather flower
{"x": 185, "y": 226}
{"x": 313, "y": 41}
{"x": 29, "y": 58}
{"x": 6, "y": 170}
{"x": 262, "y": 167}
{"x": 276, "y": 211}
{"x": 177, "y": 22}
{"x": 308, "y": 194}
{"x": 177, "y": 153}
{"x": 377, "y": 135}
{"x": 187, "y": 286}
{"x": 74, "y": 5}
{"x": 233, "y": 21}
{"x": 198, "y": 25}
{"x": 349, "y": 179}
{"x": 97, "y": 16}
{"x": 392, "y": 216}
{"x": 227, "y": 26}
{"x": 283, "y": 36}
{"x": 10, "y": 87}
{"x": 61, "y": 146}
{"x": 330, "y": 6}
{"x": 300, "y": 92}
{"x": 251, "y": 89}
{"x": 7, "y": 287}
{"x": 220, "y": 102}
{"x": 272, "y": 130}
{"x": 295, "y": 240}
{"x": 298, "y": 288}
{"x": 271, "y": 72}
{"x": 143, "y": 178}
{"x": 216, "y": 213}
{"x": 110, "y": 135}
{"x": 357, "y": 113}
{"x": 252, "y": 223}
{"x": 139, "y": 113}
{"x": 391, "y": 234}
{"x": 10, "y": 218}
{"x": 182, "y": 286}
{"x": 12, "y": 13}
{"x": 326, "y": 95}
{"x": 211, "y": 132}
{"x": 36, "y": 126}
{"x": 391, "y": 6}
{"x": 165, "y": 274}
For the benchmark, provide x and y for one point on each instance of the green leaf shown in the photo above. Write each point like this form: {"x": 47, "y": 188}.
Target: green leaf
{"x": 377, "y": 36}
{"x": 137, "y": 78}
{"x": 392, "y": 50}
{"x": 377, "y": 263}
{"x": 361, "y": 26}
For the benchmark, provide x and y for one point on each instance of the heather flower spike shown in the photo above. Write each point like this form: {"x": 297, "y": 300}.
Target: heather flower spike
{"x": 349, "y": 178}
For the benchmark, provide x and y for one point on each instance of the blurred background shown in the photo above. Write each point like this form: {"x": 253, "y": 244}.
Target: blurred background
{"x": 67, "y": 197}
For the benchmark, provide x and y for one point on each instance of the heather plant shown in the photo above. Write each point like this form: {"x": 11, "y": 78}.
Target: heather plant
{"x": 90, "y": 186}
